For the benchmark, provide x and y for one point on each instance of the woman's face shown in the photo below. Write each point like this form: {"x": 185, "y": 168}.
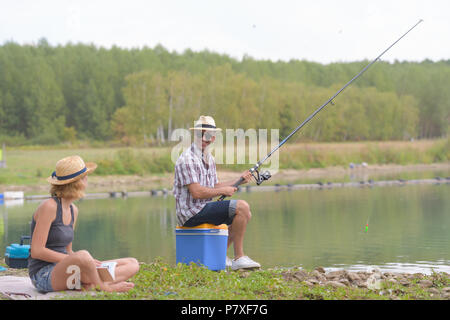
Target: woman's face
{"x": 84, "y": 181}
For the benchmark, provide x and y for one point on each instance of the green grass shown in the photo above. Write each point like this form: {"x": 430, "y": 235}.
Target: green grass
{"x": 130, "y": 162}
{"x": 323, "y": 155}
{"x": 30, "y": 165}
{"x": 162, "y": 281}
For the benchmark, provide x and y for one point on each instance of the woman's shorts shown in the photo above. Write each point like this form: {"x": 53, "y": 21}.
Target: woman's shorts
{"x": 214, "y": 212}
{"x": 42, "y": 279}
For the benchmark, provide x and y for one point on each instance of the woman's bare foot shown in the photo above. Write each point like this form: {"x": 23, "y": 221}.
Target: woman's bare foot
{"x": 122, "y": 286}
{"x": 87, "y": 286}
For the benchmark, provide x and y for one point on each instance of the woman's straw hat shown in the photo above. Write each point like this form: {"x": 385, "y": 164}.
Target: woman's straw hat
{"x": 205, "y": 123}
{"x": 70, "y": 169}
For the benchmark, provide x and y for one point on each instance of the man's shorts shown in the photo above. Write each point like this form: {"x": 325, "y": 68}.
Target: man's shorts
{"x": 215, "y": 212}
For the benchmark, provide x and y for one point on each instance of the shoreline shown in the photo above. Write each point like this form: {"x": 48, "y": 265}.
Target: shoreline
{"x": 267, "y": 188}
{"x": 293, "y": 283}
{"x": 132, "y": 183}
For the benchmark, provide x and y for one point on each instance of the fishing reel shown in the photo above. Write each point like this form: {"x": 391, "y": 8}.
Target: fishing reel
{"x": 260, "y": 177}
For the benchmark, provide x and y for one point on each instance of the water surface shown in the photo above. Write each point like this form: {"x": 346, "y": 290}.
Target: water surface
{"x": 408, "y": 228}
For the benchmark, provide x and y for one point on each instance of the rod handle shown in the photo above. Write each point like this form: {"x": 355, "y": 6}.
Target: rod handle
{"x": 237, "y": 184}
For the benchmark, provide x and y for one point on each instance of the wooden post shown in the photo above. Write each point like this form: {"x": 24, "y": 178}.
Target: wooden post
{"x": 3, "y": 156}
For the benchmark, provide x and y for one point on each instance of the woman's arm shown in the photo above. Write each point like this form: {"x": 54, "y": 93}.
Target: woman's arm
{"x": 44, "y": 217}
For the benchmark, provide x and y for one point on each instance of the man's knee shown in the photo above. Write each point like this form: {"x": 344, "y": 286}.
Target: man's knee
{"x": 243, "y": 208}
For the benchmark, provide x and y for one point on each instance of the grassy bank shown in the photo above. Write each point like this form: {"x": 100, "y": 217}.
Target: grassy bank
{"x": 162, "y": 281}
{"x": 306, "y": 156}
{"x": 30, "y": 165}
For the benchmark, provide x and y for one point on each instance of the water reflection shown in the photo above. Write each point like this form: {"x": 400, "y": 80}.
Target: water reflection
{"x": 408, "y": 228}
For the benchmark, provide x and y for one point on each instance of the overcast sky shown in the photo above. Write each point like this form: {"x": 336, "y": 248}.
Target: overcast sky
{"x": 315, "y": 30}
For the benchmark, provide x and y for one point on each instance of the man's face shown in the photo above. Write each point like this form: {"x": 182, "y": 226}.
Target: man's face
{"x": 207, "y": 137}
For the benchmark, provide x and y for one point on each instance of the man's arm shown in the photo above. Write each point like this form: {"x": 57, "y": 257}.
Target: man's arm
{"x": 200, "y": 192}
{"x": 246, "y": 175}
{"x": 225, "y": 184}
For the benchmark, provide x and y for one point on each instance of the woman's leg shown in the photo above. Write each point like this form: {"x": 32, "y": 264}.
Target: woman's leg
{"x": 125, "y": 268}
{"x": 88, "y": 273}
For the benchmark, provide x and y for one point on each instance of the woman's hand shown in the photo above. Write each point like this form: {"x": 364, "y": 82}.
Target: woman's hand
{"x": 97, "y": 263}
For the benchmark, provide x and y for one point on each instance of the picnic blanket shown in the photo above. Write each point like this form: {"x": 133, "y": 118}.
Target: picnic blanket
{"x": 21, "y": 288}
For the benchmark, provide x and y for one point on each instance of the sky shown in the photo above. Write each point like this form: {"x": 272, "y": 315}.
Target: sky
{"x": 322, "y": 31}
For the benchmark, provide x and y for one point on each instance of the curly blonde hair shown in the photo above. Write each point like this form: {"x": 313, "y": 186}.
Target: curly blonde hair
{"x": 73, "y": 190}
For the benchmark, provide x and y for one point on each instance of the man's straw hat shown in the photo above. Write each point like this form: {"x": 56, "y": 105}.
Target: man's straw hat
{"x": 70, "y": 169}
{"x": 205, "y": 123}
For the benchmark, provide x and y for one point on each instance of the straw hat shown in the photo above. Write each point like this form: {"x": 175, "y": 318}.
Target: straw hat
{"x": 70, "y": 169}
{"x": 205, "y": 123}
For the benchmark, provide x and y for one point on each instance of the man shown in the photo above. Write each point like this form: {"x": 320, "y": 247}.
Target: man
{"x": 196, "y": 185}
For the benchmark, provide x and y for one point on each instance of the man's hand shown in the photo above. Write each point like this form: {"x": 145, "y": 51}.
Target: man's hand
{"x": 228, "y": 191}
{"x": 247, "y": 176}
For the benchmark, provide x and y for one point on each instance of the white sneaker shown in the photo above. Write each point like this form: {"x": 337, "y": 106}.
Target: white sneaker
{"x": 244, "y": 262}
{"x": 228, "y": 263}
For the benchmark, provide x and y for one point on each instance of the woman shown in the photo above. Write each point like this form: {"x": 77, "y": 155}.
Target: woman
{"x": 52, "y": 262}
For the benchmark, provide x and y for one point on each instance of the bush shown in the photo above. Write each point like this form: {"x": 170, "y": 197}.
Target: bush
{"x": 46, "y": 139}
{"x": 129, "y": 162}
{"x": 16, "y": 140}
{"x": 441, "y": 151}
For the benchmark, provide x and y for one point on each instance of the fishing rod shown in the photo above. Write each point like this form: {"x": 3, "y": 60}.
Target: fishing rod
{"x": 261, "y": 177}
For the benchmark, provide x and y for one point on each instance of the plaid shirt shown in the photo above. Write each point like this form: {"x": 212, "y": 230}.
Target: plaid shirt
{"x": 192, "y": 167}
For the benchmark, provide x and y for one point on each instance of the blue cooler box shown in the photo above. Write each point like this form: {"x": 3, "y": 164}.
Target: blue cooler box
{"x": 16, "y": 255}
{"x": 205, "y": 244}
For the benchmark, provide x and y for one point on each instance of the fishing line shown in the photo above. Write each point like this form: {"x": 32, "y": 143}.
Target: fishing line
{"x": 260, "y": 178}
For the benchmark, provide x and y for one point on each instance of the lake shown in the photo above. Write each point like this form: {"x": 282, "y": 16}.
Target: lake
{"x": 408, "y": 228}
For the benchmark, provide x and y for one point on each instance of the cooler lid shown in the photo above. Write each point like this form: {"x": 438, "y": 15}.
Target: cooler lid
{"x": 204, "y": 226}
{"x": 17, "y": 251}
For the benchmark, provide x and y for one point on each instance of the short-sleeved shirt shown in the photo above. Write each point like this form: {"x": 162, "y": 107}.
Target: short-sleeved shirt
{"x": 192, "y": 166}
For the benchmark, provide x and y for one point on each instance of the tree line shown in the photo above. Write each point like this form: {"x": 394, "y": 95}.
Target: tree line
{"x": 53, "y": 94}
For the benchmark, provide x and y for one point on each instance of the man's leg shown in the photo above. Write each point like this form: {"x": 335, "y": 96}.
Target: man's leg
{"x": 230, "y": 236}
{"x": 236, "y": 233}
{"x": 237, "y": 229}
{"x": 238, "y": 214}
